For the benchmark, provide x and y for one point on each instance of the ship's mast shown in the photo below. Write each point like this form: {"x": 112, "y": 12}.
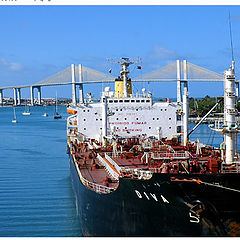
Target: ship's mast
{"x": 229, "y": 114}
{"x": 123, "y": 86}
{"x": 124, "y": 74}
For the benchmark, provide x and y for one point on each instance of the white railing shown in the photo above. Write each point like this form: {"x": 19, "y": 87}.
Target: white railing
{"x": 96, "y": 146}
{"x": 109, "y": 167}
{"x": 113, "y": 154}
{"x": 96, "y": 187}
{"x": 112, "y": 162}
{"x": 135, "y": 173}
{"x": 93, "y": 186}
{"x": 234, "y": 168}
{"x": 174, "y": 155}
{"x": 71, "y": 120}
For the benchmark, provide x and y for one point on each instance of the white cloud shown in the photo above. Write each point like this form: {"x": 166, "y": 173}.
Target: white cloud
{"x": 13, "y": 66}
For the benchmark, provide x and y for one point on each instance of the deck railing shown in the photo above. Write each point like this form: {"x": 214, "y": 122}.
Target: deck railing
{"x": 112, "y": 162}
{"x": 135, "y": 173}
{"x": 93, "y": 186}
{"x": 174, "y": 155}
{"x": 109, "y": 167}
{"x": 233, "y": 168}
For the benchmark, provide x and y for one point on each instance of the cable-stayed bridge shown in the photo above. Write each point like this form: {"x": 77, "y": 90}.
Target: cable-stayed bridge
{"x": 181, "y": 72}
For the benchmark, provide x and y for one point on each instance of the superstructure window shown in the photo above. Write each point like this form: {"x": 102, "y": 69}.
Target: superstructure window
{"x": 126, "y": 100}
{"x": 170, "y": 127}
{"x": 147, "y": 100}
{"x": 142, "y": 100}
{"x": 136, "y": 118}
{"x": 149, "y": 127}
{"x": 170, "y": 118}
{"x": 179, "y": 117}
{"x": 125, "y": 118}
{"x": 116, "y": 101}
{"x": 83, "y": 110}
{"x": 153, "y": 118}
{"x": 84, "y": 129}
{"x": 110, "y": 101}
{"x": 132, "y": 100}
{"x": 84, "y": 119}
{"x": 120, "y": 100}
{"x": 165, "y": 109}
{"x": 179, "y": 129}
{"x": 96, "y": 119}
{"x": 137, "y": 100}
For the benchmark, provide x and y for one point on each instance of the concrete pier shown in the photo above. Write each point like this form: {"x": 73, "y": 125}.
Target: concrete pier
{"x": 1, "y": 97}
{"x": 32, "y": 95}
{"x": 39, "y": 95}
{"x": 14, "y": 96}
{"x": 18, "y": 96}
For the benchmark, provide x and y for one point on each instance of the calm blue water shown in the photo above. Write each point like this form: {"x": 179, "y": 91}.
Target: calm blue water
{"x": 36, "y": 197}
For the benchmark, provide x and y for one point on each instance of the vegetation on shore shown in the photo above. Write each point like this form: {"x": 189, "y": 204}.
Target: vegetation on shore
{"x": 199, "y": 107}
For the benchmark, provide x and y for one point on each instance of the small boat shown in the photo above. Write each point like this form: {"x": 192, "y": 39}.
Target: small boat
{"x": 45, "y": 114}
{"x": 14, "y": 116}
{"x": 56, "y": 115}
{"x": 26, "y": 112}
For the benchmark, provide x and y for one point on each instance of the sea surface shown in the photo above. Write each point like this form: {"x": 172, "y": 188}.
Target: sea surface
{"x": 36, "y": 197}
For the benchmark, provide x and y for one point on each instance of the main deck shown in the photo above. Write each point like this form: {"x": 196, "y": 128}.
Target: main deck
{"x": 100, "y": 167}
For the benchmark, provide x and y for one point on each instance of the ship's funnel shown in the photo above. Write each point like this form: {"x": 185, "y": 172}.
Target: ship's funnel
{"x": 119, "y": 87}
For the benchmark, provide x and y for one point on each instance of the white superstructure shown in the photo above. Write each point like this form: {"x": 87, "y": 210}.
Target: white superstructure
{"x": 124, "y": 114}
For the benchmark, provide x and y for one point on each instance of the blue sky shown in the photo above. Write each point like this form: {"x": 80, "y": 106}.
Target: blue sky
{"x": 38, "y": 41}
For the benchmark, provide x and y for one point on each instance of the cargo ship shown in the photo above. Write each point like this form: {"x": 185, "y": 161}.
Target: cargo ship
{"x": 135, "y": 172}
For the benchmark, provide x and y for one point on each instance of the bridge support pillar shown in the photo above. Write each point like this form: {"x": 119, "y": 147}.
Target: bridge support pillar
{"x": 1, "y": 97}
{"x": 14, "y": 96}
{"x": 19, "y": 96}
{"x": 74, "y": 100}
{"x": 179, "y": 87}
{"x": 39, "y": 95}
{"x": 81, "y": 97}
{"x": 185, "y": 104}
{"x": 32, "y": 95}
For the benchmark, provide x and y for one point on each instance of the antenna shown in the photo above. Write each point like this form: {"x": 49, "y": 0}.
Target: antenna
{"x": 230, "y": 28}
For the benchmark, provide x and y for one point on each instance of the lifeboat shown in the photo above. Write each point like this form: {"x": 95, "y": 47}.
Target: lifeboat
{"x": 71, "y": 111}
